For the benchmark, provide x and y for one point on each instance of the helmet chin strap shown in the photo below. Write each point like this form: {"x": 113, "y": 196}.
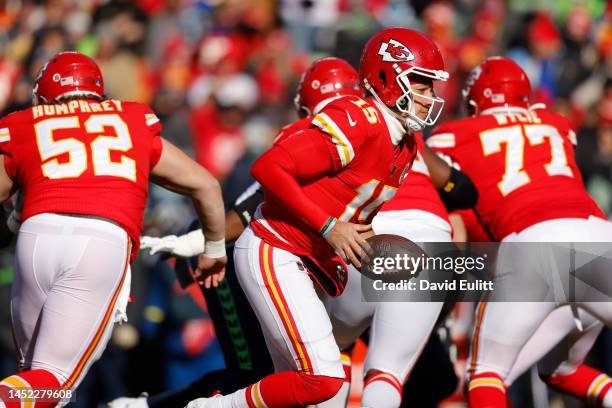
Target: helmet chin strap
{"x": 408, "y": 123}
{"x": 412, "y": 124}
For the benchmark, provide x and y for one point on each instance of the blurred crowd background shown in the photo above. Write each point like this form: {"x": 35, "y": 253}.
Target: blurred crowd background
{"x": 221, "y": 75}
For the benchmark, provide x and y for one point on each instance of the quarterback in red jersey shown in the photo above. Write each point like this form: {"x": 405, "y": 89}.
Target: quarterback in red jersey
{"x": 416, "y": 211}
{"x": 83, "y": 163}
{"x": 521, "y": 160}
{"x": 321, "y": 185}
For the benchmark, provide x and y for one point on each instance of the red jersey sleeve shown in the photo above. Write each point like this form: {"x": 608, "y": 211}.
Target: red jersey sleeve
{"x": 5, "y": 149}
{"x": 346, "y": 127}
{"x": 442, "y": 141}
{"x": 155, "y": 127}
{"x": 290, "y": 129}
{"x": 303, "y": 155}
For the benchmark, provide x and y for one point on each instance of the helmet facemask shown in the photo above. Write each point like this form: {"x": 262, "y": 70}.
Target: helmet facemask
{"x": 301, "y": 109}
{"x": 406, "y": 105}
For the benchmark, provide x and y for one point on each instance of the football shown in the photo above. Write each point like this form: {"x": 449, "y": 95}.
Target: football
{"x": 390, "y": 258}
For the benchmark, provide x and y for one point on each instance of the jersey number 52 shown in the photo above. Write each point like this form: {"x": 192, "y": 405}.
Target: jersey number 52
{"x": 101, "y": 147}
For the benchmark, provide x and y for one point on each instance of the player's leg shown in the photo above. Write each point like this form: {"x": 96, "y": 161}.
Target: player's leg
{"x": 296, "y": 326}
{"x": 400, "y": 330}
{"x": 86, "y": 290}
{"x": 553, "y": 342}
{"x": 350, "y": 317}
{"x": 236, "y": 325}
{"x": 27, "y": 301}
{"x": 244, "y": 348}
{"x": 561, "y": 347}
{"x": 528, "y": 270}
{"x": 501, "y": 331}
{"x": 340, "y": 400}
{"x": 397, "y": 337}
{"x": 590, "y": 284}
{"x": 349, "y": 314}
{"x": 563, "y": 369}
{"x": 503, "y": 327}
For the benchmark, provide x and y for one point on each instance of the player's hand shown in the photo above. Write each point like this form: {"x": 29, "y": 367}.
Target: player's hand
{"x": 367, "y": 234}
{"x": 13, "y": 221}
{"x": 346, "y": 238}
{"x": 156, "y": 244}
{"x": 188, "y": 245}
{"x": 210, "y": 271}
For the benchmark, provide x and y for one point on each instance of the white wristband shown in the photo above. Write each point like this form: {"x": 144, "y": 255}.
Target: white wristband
{"x": 214, "y": 249}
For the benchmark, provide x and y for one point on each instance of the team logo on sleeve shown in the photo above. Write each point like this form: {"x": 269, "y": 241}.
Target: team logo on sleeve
{"x": 395, "y": 51}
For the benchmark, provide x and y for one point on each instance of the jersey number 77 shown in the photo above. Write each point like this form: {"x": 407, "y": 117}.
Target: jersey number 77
{"x": 514, "y": 137}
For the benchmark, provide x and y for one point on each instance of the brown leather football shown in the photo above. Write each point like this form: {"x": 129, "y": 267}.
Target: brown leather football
{"x": 390, "y": 258}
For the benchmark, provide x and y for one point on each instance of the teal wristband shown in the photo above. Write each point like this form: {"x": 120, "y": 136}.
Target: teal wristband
{"x": 331, "y": 221}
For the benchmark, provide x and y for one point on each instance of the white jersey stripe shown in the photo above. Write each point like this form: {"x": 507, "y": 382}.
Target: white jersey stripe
{"x": 441, "y": 140}
{"x": 151, "y": 119}
{"x": 345, "y": 149}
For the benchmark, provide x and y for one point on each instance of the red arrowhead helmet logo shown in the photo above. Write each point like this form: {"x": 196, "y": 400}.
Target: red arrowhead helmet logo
{"x": 395, "y": 51}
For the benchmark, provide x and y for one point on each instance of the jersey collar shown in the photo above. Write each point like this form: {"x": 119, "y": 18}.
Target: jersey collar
{"x": 505, "y": 109}
{"x": 396, "y": 130}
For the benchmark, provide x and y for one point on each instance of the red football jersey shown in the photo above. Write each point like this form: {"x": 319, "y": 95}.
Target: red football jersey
{"x": 522, "y": 163}
{"x": 83, "y": 157}
{"x": 367, "y": 171}
{"x": 418, "y": 192}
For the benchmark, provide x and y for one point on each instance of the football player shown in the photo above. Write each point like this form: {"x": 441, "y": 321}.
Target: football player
{"x": 323, "y": 184}
{"x": 325, "y": 80}
{"x": 418, "y": 212}
{"x": 521, "y": 159}
{"x": 83, "y": 163}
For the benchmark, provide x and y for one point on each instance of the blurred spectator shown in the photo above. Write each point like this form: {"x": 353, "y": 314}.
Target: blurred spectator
{"x": 305, "y": 20}
{"x": 176, "y": 23}
{"x": 579, "y": 56}
{"x": 539, "y": 55}
{"x": 587, "y": 94}
{"x": 439, "y": 19}
{"x": 9, "y": 73}
{"x": 594, "y": 152}
{"x": 217, "y": 123}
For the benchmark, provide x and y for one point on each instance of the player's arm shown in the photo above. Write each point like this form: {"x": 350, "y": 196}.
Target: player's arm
{"x": 6, "y": 187}
{"x": 305, "y": 155}
{"x": 179, "y": 173}
{"x": 243, "y": 210}
{"x": 192, "y": 243}
{"x": 455, "y": 188}
{"x": 459, "y": 230}
{"x": 233, "y": 225}
{"x": 6, "y": 183}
